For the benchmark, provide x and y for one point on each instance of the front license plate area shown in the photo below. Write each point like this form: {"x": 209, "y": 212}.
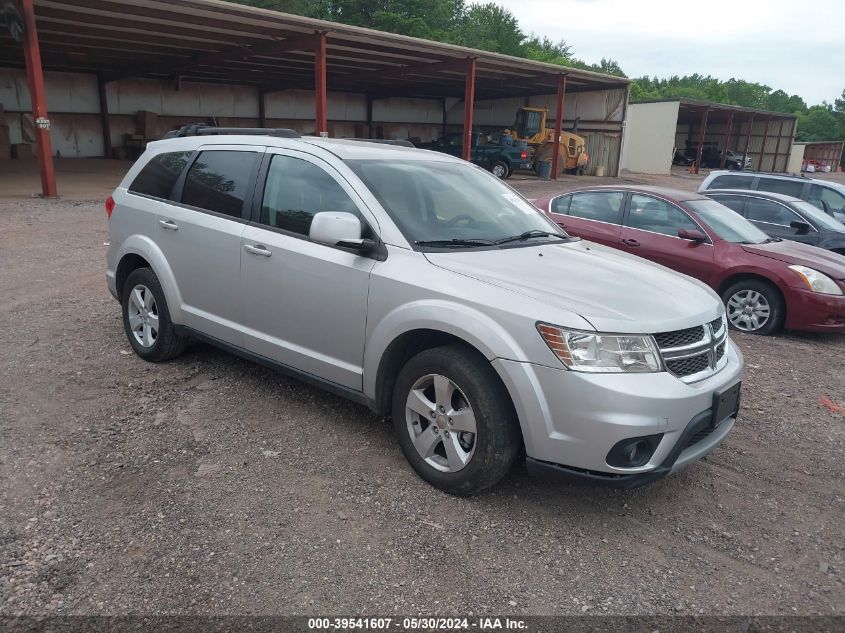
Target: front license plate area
{"x": 725, "y": 404}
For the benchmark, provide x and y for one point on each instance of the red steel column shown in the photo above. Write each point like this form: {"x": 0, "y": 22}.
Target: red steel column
{"x": 561, "y": 94}
{"x": 320, "y": 84}
{"x": 726, "y": 141}
{"x": 763, "y": 146}
{"x": 698, "y": 154}
{"x": 35, "y": 80}
{"x": 469, "y": 104}
{"x": 748, "y": 141}
{"x": 104, "y": 116}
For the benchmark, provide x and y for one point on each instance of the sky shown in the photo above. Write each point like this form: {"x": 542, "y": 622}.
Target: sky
{"x": 795, "y": 46}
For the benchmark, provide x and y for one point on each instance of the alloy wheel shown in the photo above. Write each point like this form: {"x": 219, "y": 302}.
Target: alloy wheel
{"x": 143, "y": 316}
{"x": 441, "y": 423}
{"x": 499, "y": 170}
{"x": 748, "y": 310}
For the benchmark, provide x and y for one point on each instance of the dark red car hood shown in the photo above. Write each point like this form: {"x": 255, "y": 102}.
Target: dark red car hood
{"x": 827, "y": 262}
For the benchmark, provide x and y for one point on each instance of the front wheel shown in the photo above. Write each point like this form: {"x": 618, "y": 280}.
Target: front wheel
{"x": 754, "y": 306}
{"x": 454, "y": 421}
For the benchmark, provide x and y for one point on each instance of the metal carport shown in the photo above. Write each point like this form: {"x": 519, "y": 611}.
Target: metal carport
{"x": 222, "y": 43}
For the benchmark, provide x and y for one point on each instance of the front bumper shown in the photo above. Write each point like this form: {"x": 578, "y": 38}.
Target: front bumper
{"x": 571, "y": 420}
{"x": 814, "y": 312}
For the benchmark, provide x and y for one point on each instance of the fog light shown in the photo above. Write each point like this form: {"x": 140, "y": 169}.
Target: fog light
{"x": 633, "y": 451}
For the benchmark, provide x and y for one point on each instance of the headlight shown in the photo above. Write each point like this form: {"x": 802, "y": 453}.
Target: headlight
{"x": 602, "y": 353}
{"x": 816, "y": 281}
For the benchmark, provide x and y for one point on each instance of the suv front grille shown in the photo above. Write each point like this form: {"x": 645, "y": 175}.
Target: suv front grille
{"x": 694, "y": 353}
{"x": 679, "y": 338}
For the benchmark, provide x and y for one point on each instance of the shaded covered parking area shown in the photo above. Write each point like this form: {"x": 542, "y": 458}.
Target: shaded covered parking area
{"x": 701, "y": 130}
{"x": 111, "y": 68}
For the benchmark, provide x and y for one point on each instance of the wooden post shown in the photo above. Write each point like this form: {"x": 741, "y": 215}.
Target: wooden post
{"x": 701, "y": 133}
{"x": 561, "y": 95}
{"x": 726, "y": 141}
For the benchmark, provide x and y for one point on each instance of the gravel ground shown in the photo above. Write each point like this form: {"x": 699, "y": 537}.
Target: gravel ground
{"x": 209, "y": 485}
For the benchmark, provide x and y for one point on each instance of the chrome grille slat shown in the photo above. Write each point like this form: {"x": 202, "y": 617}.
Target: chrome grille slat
{"x": 694, "y": 353}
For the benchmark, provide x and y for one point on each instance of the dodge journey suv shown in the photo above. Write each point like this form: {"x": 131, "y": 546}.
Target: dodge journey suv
{"x": 423, "y": 287}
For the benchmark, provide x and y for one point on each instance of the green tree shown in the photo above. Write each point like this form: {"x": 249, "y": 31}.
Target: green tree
{"x": 490, "y": 27}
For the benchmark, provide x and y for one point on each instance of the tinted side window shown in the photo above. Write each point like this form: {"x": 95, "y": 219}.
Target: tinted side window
{"x": 219, "y": 181}
{"x": 737, "y": 203}
{"x": 767, "y": 211}
{"x": 296, "y": 190}
{"x": 561, "y": 204}
{"x": 160, "y": 174}
{"x": 657, "y": 216}
{"x": 776, "y": 185}
{"x": 834, "y": 199}
{"x": 602, "y": 206}
{"x": 730, "y": 181}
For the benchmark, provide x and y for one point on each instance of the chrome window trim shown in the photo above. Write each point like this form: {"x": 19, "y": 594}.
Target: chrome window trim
{"x": 574, "y": 193}
{"x": 709, "y": 241}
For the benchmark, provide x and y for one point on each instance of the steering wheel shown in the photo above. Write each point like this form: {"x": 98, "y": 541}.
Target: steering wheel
{"x": 461, "y": 218}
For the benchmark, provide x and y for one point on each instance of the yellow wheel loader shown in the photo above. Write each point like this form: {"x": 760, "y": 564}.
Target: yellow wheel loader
{"x": 530, "y": 126}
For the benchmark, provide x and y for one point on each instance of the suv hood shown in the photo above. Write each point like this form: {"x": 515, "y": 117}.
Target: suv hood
{"x": 614, "y": 291}
{"x": 831, "y": 264}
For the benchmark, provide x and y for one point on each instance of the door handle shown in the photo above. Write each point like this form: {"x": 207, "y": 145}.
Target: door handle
{"x": 257, "y": 249}
{"x": 630, "y": 242}
{"x": 562, "y": 225}
{"x": 170, "y": 225}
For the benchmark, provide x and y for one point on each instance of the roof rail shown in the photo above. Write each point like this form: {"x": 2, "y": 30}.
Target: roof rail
{"x": 203, "y": 129}
{"x": 770, "y": 173}
{"x": 383, "y": 141}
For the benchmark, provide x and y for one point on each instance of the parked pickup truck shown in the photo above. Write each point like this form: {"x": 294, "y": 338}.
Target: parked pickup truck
{"x": 500, "y": 160}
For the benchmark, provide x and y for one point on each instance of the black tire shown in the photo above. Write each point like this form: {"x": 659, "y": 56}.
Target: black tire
{"x": 498, "y": 439}
{"x": 502, "y": 167}
{"x": 777, "y": 308}
{"x": 168, "y": 343}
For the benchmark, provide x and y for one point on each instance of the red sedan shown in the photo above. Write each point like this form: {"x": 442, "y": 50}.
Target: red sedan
{"x": 766, "y": 283}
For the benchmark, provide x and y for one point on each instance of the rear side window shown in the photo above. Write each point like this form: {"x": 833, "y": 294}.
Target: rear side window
{"x": 737, "y": 203}
{"x": 776, "y": 185}
{"x": 604, "y": 206}
{"x": 296, "y": 190}
{"x": 219, "y": 181}
{"x": 561, "y": 205}
{"x": 730, "y": 181}
{"x": 160, "y": 174}
{"x": 760, "y": 210}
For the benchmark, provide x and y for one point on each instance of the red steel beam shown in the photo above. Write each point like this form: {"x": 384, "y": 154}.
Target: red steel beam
{"x": 320, "y": 85}
{"x": 469, "y": 104}
{"x": 704, "y": 114}
{"x": 561, "y": 95}
{"x": 765, "y": 140}
{"x": 35, "y": 80}
{"x": 748, "y": 140}
{"x": 726, "y": 141}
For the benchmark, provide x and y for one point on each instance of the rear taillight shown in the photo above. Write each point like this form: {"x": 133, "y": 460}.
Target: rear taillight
{"x": 109, "y": 206}
{"x": 524, "y": 155}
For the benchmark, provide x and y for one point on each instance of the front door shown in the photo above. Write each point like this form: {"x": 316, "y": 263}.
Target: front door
{"x": 651, "y": 231}
{"x": 774, "y": 218}
{"x": 305, "y": 304}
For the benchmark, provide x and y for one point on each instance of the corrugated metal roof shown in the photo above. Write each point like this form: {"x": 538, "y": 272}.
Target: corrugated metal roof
{"x": 698, "y": 105}
{"x": 210, "y": 40}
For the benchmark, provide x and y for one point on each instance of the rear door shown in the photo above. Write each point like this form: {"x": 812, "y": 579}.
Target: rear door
{"x": 651, "y": 231}
{"x": 305, "y": 304}
{"x": 774, "y": 218}
{"x": 592, "y": 215}
{"x": 200, "y": 236}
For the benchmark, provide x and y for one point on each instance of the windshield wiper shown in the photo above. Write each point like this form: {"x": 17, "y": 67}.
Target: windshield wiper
{"x": 454, "y": 242}
{"x": 530, "y": 234}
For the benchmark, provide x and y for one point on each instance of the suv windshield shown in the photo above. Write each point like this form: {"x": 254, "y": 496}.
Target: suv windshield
{"x": 726, "y": 223}
{"x": 821, "y": 219}
{"x": 448, "y": 204}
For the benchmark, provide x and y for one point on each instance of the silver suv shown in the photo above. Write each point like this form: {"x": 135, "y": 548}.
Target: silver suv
{"x": 425, "y": 288}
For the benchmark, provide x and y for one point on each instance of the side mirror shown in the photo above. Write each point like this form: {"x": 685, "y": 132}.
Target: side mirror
{"x": 693, "y": 235}
{"x": 801, "y": 227}
{"x": 335, "y": 228}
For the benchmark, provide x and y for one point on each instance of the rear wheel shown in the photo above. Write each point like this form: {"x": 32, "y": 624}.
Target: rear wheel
{"x": 146, "y": 319}
{"x": 454, "y": 421}
{"x": 754, "y": 306}
{"x": 500, "y": 169}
